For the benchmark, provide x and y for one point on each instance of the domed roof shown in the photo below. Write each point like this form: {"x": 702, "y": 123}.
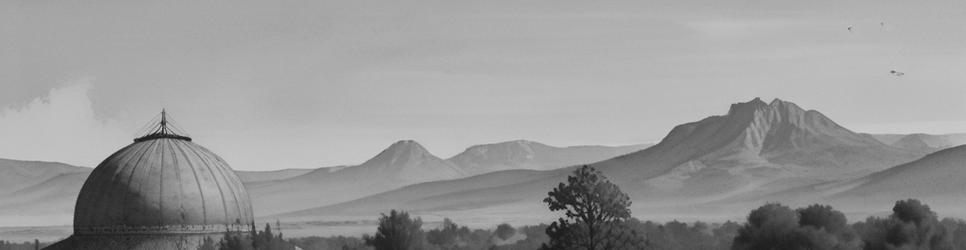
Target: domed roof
{"x": 162, "y": 184}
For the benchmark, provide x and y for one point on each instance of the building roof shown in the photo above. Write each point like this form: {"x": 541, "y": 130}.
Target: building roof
{"x": 162, "y": 184}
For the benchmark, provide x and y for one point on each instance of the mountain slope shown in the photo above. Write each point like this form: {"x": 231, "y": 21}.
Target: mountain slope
{"x": 937, "y": 174}
{"x": 274, "y": 175}
{"x": 414, "y": 193}
{"x": 756, "y": 147}
{"x": 403, "y": 163}
{"x": 44, "y": 193}
{"x": 56, "y": 195}
{"x": 39, "y": 193}
{"x": 753, "y": 145}
{"x": 927, "y": 143}
{"x": 888, "y": 139}
{"x": 523, "y": 154}
{"x": 16, "y": 175}
{"x": 406, "y": 162}
{"x": 936, "y": 179}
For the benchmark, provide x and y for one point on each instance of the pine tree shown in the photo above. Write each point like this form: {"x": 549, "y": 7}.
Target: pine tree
{"x": 595, "y": 211}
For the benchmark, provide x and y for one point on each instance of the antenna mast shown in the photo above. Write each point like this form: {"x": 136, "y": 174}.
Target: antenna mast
{"x": 161, "y": 130}
{"x": 164, "y": 121}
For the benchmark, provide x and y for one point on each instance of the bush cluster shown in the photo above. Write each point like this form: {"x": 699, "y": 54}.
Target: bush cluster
{"x": 6, "y": 245}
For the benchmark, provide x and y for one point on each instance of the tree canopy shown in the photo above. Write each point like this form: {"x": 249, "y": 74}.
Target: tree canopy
{"x": 595, "y": 211}
{"x": 775, "y": 226}
{"x": 505, "y": 231}
{"x": 397, "y": 232}
{"x": 912, "y": 225}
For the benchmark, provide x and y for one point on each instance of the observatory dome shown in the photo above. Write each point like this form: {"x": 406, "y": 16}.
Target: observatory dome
{"x": 162, "y": 184}
{"x": 161, "y": 192}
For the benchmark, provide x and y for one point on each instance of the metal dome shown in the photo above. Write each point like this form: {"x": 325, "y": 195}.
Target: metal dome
{"x": 162, "y": 184}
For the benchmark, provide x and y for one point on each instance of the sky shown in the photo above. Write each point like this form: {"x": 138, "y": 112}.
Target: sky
{"x": 306, "y": 84}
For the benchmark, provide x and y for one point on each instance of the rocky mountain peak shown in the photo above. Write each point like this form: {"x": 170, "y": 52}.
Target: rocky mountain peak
{"x": 401, "y": 152}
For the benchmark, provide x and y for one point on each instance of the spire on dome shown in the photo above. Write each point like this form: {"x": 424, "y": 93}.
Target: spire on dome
{"x": 162, "y": 128}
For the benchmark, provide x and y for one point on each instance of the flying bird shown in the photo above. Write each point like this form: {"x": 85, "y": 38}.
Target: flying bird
{"x": 896, "y": 73}
{"x": 850, "y": 28}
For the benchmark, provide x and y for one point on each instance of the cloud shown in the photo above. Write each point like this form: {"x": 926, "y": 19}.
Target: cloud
{"x": 59, "y": 126}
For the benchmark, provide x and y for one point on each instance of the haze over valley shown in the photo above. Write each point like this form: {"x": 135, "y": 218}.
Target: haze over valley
{"x": 755, "y": 152}
{"x": 43, "y": 193}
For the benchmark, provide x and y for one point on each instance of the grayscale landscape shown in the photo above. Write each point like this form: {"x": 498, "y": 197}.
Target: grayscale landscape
{"x": 436, "y": 125}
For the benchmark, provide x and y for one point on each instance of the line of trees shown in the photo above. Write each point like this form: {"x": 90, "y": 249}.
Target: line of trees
{"x": 251, "y": 240}
{"x": 6, "y": 245}
{"x": 912, "y": 225}
{"x": 596, "y": 216}
{"x": 670, "y": 235}
{"x": 398, "y": 231}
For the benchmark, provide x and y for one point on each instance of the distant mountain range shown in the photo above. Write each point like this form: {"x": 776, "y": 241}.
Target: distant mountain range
{"x": 407, "y": 162}
{"x": 29, "y": 188}
{"x": 925, "y": 143}
{"x": 531, "y": 155}
{"x": 756, "y": 148}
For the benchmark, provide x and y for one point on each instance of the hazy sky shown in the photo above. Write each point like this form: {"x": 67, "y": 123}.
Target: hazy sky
{"x": 281, "y": 84}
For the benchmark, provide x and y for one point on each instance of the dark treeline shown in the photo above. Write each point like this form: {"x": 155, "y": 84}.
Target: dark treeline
{"x": 448, "y": 236}
{"x": 6, "y": 245}
{"x": 912, "y": 225}
{"x": 671, "y": 235}
{"x": 597, "y": 217}
{"x": 251, "y": 240}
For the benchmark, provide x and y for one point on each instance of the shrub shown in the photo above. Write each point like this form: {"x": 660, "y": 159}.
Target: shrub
{"x": 397, "y": 232}
{"x": 505, "y": 231}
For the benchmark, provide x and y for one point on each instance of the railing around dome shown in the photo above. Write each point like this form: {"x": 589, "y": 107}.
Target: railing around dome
{"x": 159, "y": 136}
{"x": 162, "y": 128}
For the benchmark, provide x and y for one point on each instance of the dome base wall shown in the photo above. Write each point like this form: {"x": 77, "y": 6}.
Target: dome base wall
{"x": 136, "y": 242}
